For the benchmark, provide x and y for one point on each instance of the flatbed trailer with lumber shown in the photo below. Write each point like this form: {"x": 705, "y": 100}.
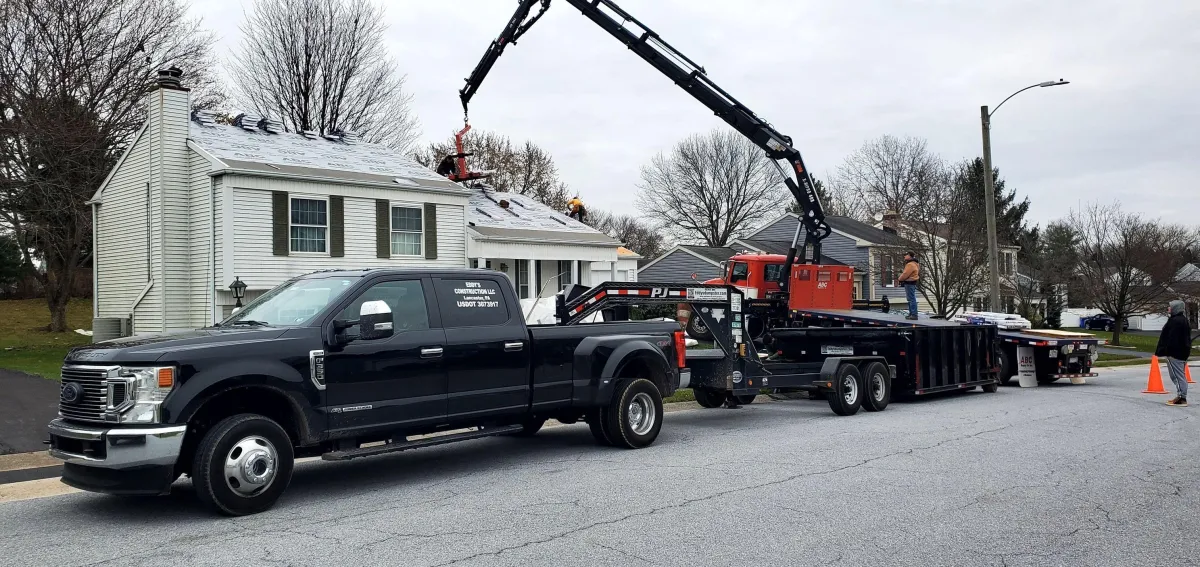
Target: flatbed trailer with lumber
{"x": 1054, "y": 354}
{"x": 850, "y": 367}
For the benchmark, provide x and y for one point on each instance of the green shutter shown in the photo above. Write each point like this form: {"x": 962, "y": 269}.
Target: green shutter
{"x": 430, "y": 225}
{"x": 337, "y": 226}
{"x": 383, "y": 228}
{"x": 279, "y": 222}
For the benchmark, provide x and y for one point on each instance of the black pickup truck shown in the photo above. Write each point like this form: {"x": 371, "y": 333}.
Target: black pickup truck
{"x": 346, "y": 364}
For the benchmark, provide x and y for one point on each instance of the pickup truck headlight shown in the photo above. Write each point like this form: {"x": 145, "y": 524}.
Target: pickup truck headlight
{"x": 145, "y": 390}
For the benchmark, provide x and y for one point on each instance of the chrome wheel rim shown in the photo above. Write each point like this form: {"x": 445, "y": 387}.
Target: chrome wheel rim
{"x": 849, "y": 389}
{"x": 641, "y": 413}
{"x": 250, "y": 466}
{"x": 877, "y": 387}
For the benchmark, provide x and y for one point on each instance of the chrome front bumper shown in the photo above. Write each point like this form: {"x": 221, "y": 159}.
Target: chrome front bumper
{"x": 115, "y": 448}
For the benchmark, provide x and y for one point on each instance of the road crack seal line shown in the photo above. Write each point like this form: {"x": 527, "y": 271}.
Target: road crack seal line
{"x": 574, "y": 531}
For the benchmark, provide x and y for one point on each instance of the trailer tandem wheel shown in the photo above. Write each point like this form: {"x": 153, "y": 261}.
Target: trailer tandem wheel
{"x": 847, "y": 394}
{"x": 709, "y": 398}
{"x": 878, "y": 381}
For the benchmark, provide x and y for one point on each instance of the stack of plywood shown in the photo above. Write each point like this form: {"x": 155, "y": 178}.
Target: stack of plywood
{"x": 1057, "y": 334}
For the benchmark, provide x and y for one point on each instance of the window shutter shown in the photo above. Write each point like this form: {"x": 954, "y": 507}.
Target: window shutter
{"x": 337, "y": 226}
{"x": 279, "y": 222}
{"x": 429, "y": 223}
{"x": 383, "y": 228}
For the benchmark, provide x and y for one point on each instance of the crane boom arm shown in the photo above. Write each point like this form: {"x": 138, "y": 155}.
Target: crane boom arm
{"x": 692, "y": 78}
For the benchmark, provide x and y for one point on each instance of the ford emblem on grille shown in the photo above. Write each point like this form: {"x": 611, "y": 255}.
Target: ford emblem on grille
{"x": 71, "y": 392}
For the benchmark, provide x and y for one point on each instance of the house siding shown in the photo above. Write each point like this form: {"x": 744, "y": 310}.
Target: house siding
{"x": 121, "y": 238}
{"x": 173, "y": 189}
{"x": 255, "y": 264}
{"x": 205, "y": 202}
{"x": 678, "y": 266}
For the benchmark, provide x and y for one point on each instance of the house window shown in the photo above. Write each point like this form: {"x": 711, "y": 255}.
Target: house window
{"x": 407, "y": 230}
{"x": 887, "y": 270}
{"x": 1008, "y": 265}
{"x": 522, "y": 279}
{"x": 564, "y": 274}
{"x": 309, "y": 226}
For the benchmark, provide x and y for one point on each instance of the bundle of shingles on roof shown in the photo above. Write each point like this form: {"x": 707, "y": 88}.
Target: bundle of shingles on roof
{"x": 255, "y": 123}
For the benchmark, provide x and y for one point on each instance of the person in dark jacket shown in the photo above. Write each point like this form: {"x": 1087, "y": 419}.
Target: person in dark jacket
{"x": 1175, "y": 344}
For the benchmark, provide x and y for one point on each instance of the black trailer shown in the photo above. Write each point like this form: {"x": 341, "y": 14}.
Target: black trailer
{"x": 850, "y": 367}
{"x": 1054, "y": 358}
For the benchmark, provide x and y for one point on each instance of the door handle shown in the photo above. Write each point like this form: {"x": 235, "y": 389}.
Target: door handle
{"x": 431, "y": 352}
{"x": 514, "y": 347}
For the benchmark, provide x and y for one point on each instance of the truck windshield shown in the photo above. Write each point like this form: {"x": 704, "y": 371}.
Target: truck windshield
{"x": 292, "y": 303}
{"x": 739, "y": 272}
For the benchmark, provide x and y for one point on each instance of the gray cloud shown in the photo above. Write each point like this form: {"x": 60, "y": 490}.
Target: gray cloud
{"x": 831, "y": 75}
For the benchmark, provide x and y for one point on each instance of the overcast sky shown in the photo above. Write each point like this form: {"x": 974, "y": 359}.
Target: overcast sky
{"x": 832, "y": 75}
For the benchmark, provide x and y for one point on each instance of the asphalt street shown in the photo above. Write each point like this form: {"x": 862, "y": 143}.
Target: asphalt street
{"x": 1095, "y": 475}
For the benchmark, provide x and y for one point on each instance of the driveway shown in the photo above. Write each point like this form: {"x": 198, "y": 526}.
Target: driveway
{"x": 27, "y": 404}
{"x": 1095, "y": 475}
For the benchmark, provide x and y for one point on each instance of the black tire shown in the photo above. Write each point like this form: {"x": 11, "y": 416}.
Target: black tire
{"x": 258, "y": 441}
{"x": 636, "y": 416}
{"x": 696, "y": 329}
{"x": 1007, "y": 368}
{"x": 1108, "y": 327}
{"x": 847, "y": 383}
{"x": 877, "y": 382}
{"x": 530, "y": 428}
{"x": 990, "y": 388}
{"x": 709, "y": 398}
{"x": 595, "y": 420}
{"x": 745, "y": 400}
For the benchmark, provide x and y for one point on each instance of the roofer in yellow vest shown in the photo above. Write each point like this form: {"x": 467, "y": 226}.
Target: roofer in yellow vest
{"x": 575, "y": 209}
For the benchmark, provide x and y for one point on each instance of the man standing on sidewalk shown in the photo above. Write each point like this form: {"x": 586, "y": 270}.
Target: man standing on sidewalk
{"x": 910, "y": 279}
{"x": 1175, "y": 344}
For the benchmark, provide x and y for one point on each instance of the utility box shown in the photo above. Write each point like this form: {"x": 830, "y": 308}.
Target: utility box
{"x": 107, "y": 328}
{"x": 815, "y": 286}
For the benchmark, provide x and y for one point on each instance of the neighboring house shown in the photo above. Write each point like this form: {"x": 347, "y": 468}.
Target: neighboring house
{"x": 194, "y": 204}
{"x": 542, "y": 250}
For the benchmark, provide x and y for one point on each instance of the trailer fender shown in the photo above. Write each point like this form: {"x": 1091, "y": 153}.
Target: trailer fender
{"x": 601, "y": 361}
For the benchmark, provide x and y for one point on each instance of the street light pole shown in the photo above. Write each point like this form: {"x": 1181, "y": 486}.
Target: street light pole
{"x": 989, "y": 193}
{"x": 989, "y": 203}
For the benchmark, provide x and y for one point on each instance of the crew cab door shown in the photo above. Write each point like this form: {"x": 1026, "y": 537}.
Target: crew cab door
{"x": 487, "y": 350}
{"x": 392, "y": 382}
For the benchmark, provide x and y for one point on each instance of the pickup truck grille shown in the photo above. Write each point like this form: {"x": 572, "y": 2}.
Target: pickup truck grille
{"x": 88, "y": 399}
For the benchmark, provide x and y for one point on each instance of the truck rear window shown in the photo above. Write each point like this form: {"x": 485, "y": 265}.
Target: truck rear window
{"x": 471, "y": 302}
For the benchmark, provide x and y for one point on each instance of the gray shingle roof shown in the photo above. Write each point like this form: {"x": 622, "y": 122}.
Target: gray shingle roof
{"x": 527, "y": 219}
{"x": 293, "y": 154}
{"x": 863, "y": 231}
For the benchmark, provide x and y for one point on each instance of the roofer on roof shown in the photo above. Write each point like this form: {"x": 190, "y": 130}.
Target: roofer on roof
{"x": 575, "y": 209}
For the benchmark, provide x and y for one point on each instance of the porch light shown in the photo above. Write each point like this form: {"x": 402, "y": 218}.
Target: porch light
{"x": 238, "y": 287}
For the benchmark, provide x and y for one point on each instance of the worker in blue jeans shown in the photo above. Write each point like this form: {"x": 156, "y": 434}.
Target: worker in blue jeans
{"x": 910, "y": 279}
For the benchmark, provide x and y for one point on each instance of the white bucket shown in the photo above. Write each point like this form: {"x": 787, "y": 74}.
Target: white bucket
{"x": 1079, "y": 380}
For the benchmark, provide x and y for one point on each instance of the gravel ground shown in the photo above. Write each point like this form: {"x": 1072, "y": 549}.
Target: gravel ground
{"x": 1091, "y": 475}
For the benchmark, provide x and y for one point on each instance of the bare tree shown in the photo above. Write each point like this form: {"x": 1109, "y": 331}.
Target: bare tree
{"x": 946, "y": 226}
{"x": 886, "y": 174}
{"x": 321, "y": 65}
{"x": 637, "y": 234}
{"x": 1127, "y": 263}
{"x": 711, "y": 188}
{"x": 525, "y": 169}
{"x": 72, "y": 79}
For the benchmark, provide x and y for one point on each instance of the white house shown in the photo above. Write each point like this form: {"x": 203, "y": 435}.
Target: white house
{"x": 194, "y": 204}
{"x": 541, "y": 250}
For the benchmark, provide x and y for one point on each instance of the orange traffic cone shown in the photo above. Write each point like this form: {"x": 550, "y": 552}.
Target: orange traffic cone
{"x": 1188, "y": 373}
{"x": 1154, "y": 385}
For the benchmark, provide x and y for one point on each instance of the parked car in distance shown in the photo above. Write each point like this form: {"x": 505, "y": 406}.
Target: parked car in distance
{"x": 1102, "y": 322}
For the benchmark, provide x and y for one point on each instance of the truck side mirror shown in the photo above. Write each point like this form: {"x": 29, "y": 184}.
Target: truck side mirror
{"x": 375, "y": 321}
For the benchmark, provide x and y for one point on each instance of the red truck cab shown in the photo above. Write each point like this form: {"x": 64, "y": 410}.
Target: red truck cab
{"x": 755, "y": 274}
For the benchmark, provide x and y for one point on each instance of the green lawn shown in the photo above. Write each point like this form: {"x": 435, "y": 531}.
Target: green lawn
{"x": 1138, "y": 342}
{"x": 1107, "y": 360}
{"x": 25, "y": 344}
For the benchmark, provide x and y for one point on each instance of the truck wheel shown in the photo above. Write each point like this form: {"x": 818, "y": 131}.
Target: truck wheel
{"x": 991, "y": 388}
{"x": 746, "y": 400}
{"x": 697, "y": 330}
{"x": 847, "y": 394}
{"x": 595, "y": 421}
{"x": 243, "y": 464}
{"x": 709, "y": 398}
{"x": 635, "y": 418}
{"x": 878, "y": 381}
{"x": 1006, "y": 365}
